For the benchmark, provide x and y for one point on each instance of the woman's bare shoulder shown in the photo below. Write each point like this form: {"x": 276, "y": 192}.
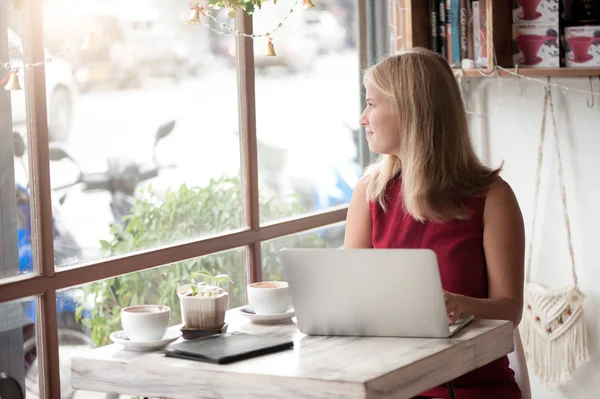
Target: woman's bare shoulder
{"x": 501, "y": 200}
{"x": 500, "y": 189}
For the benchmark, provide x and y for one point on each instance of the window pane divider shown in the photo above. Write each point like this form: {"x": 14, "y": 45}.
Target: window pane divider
{"x": 47, "y": 344}
{"x": 37, "y": 128}
{"x": 41, "y": 216}
{"x": 36, "y": 284}
{"x": 248, "y": 143}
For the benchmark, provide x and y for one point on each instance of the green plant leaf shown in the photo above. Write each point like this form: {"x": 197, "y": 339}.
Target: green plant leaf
{"x": 203, "y": 273}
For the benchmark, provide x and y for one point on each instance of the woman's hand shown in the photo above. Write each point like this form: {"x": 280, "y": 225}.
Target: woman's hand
{"x": 454, "y": 306}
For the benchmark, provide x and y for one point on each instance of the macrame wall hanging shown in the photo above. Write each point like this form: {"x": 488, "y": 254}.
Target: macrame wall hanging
{"x": 553, "y": 327}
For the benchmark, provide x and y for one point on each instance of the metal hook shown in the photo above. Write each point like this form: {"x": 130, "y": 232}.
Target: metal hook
{"x": 592, "y": 94}
{"x": 498, "y": 79}
{"x": 520, "y": 81}
{"x": 465, "y": 96}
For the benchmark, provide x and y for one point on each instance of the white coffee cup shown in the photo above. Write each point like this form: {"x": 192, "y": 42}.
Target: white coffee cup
{"x": 145, "y": 322}
{"x": 269, "y": 297}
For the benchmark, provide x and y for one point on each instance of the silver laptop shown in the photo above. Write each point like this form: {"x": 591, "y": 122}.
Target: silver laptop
{"x": 368, "y": 292}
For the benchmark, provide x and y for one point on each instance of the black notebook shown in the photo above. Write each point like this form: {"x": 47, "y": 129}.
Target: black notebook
{"x": 228, "y": 348}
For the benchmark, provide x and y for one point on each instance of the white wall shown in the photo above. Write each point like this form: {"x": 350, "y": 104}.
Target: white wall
{"x": 510, "y": 132}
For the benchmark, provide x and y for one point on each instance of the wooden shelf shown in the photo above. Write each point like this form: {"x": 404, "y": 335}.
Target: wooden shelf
{"x": 542, "y": 72}
{"x": 416, "y": 23}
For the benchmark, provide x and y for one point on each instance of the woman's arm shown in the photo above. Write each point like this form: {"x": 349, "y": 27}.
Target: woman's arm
{"x": 504, "y": 246}
{"x": 358, "y": 220}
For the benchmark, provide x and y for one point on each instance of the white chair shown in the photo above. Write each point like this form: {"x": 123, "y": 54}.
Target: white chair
{"x": 519, "y": 366}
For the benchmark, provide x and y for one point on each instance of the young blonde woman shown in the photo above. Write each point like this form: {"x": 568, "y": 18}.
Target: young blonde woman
{"x": 429, "y": 190}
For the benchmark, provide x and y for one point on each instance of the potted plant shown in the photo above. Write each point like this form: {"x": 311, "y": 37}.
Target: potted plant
{"x": 203, "y": 304}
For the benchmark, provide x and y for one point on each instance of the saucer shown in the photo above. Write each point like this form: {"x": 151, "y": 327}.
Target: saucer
{"x": 247, "y": 311}
{"x": 533, "y": 61}
{"x": 533, "y": 18}
{"x": 119, "y": 337}
{"x": 584, "y": 59}
{"x": 191, "y": 333}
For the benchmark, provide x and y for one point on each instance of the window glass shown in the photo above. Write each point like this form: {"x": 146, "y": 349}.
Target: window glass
{"x": 143, "y": 119}
{"x": 307, "y": 105}
{"x": 331, "y": 236}
{"x": 18, "y": 346}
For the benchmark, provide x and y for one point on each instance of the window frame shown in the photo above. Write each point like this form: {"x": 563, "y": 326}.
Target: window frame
{"x": 10, "y": 331}
{"x": 45, "y": 280}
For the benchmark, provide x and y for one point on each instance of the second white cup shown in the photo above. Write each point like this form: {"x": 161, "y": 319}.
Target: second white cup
{"x": 269, "y": 297}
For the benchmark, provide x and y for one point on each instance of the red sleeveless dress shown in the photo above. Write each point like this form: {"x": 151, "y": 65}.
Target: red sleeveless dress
{"x": 458, "y": 245}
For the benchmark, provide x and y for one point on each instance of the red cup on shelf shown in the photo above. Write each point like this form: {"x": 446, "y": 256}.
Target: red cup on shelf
{"x": 530, "y": 45}
{"x": 580, "y": 45}
{"x": 530, "y": 12}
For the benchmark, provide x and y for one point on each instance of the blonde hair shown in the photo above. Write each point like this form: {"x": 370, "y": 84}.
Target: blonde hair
{"x": 436, "y": 161}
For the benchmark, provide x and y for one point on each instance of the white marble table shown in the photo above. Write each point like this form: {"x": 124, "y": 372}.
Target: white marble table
{"x": 317, "y": 367}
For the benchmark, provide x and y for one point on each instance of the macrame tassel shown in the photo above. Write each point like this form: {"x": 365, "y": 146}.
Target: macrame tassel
{"x": 555, "y": 360}
{"x": 553, "y": 328}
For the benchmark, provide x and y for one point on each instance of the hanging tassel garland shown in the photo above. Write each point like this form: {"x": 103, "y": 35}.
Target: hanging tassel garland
{"x": 271, "y": 48}
{"x": 13, "y": 80}
{"x": 197, "y": 10}
{"x": 306, "y": 4}
{"x": 194, "y": 18}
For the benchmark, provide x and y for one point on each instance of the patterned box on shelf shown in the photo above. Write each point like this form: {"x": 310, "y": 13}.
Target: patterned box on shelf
{"x": 536, "y": 46}
{"x": 535, "y": 11}
{"x": 582, "y": 46}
